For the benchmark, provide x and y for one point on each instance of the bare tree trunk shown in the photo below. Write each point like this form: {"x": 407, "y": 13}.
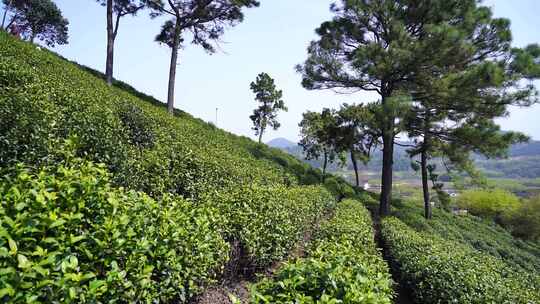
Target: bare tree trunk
{"x": 387, "y": 171}
{"x": 8, "y": 6}
{"x": 109, "y": 65}
{"x": 355, "y": 166}
{"x": 261, "y": 135}
{"x": 425, "y": 184}
{"x": 324, "y": 166}
{"x": 172, "y": 70}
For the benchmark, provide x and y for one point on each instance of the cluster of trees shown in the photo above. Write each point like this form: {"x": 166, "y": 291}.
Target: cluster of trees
{"x": 31, "y": 19}
{"x": 520, "y": 216}
{"x": 444, "y": 71}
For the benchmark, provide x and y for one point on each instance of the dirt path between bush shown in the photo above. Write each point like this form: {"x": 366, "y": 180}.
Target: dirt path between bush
{"x": 403, "y": 294}
{"x": 237, "y": 285}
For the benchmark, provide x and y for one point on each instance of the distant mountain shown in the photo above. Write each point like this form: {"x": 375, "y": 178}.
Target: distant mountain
{"x": 281, "y": 143}
{"x": 531, "y": 148}
{"x": 523, "y": 161}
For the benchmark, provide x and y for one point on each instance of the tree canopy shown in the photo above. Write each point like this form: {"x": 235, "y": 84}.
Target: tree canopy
{"x": 40, "y": 19}
{"x": 395, "y": 48}
{"x": 270, "y": 103}
{"x": 205, "y": 20}
{"x": 317, "y": 132}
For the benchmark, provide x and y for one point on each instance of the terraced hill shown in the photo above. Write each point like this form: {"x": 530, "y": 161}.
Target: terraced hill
{"x": 106, "y": 197}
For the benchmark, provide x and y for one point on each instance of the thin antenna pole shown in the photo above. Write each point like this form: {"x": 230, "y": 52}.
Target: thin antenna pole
{"x": 5, "y": 13}
{"x": 216, "y": 117}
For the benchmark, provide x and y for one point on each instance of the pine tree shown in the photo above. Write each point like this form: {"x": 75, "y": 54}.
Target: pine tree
{"x": 270, "y": 103}
{"x": 116, "y": 9}
{"x": 41, "y": 19}
{"x": 317, "y": 138}
{"x": 386, "y": 46}
{"x": 205, "y": 20}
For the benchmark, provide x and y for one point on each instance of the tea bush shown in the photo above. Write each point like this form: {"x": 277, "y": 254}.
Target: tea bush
{"x": 525, "y": 221}
{"x": 257, "y": 195}
{"x": 66, "y": 235}
{"x": 342, "y": 266}
{"x": 269, "y": 221}
{"x": 480, "y": 234}
{"x": 44, "y": 97}
{"x": 493, "y": 203}
{"x": 443, "y": 271}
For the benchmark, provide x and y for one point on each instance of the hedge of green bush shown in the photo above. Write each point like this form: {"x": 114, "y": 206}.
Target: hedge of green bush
{"x": 444, "y": 271}
{"x": 480, "y": 234}
{"x": 66, "y": 235}
{"x": 268, "y": 221}
{"x": 342, "y": 266}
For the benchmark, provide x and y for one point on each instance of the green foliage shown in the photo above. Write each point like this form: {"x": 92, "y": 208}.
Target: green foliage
{"x": 236, "y": 189}
{"x": 525, "y": 221}
{"x": 316, "y": 130}
{"x": 68, "y": 236}
{"x": 268, "y": 221}
{"x": 138, "y": 126}
{"x": 343, "y": 266}
{"x": 270, "y": 103}
{"x": 339, "y": 188}
{"x": 480, "y": 234}
{"x": 43, "y": 98}
{"x": 493, "y": 203}
{"x": 443, "y": 271}
{"x": 40, "y": 19}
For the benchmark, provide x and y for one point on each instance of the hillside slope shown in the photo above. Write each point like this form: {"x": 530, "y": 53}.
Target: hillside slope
{"x": 71, "y": 230}
{"x": 460, "y": 259}
{"x": 45, "y": 98}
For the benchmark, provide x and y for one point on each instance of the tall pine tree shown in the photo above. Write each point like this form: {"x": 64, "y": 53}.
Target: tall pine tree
{"x": 204, "y": 20}
{"x": 384, "y": 46}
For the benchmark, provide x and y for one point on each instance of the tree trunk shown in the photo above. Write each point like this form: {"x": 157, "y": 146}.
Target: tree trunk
{"x": 109, "y": 65}
{"x": 172, "y": 70}
{"x": 325, "y": 163}
{"x": 261, "y": 135}
{"x": 355, "y": 166}
{"x": 425, "y": 184}
{"x": 387, "y": 171}
{"x": 5, "y": 14}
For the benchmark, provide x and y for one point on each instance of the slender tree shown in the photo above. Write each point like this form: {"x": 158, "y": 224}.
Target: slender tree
{"x": 116, "y": 9}
{"x": 40, "y": 19}
{"x": 355, "y": 133}
{"x": 455, "y": 108}
{"x": 317, "y": 138}
{"x": 270, "y": 103}
{"x": 205, "y": 20}
{"x": 385, "y": 45}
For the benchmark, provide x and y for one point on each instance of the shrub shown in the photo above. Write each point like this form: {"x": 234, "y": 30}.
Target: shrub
{"x": 343, "y": 266}
{"x": 480, "y": 234}
{"x": 525, "y": 221}
{"x": 442, "y": 271}
{"x": 488, "y": 203}
{"x": 68, "y": 236}
{"x": 268, "y": 221}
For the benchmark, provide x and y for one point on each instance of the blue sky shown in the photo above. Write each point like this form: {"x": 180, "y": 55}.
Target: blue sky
{"x": 273, "y": 39}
